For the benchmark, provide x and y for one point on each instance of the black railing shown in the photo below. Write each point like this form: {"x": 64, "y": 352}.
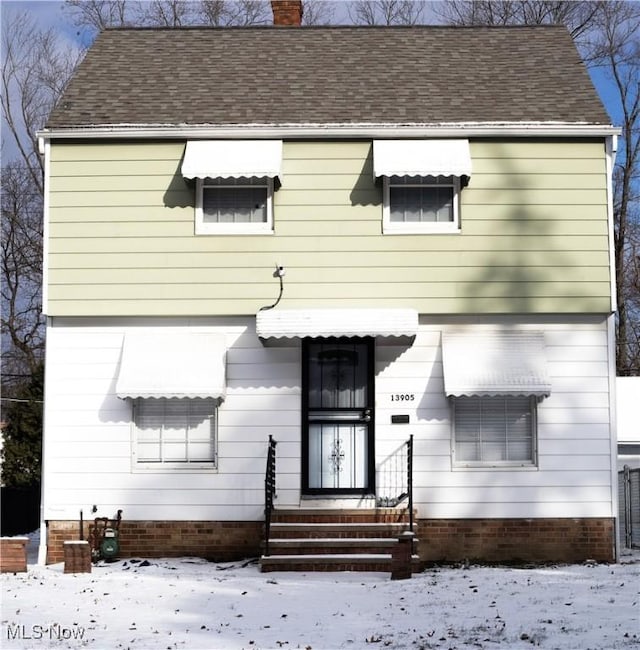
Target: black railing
{"x": 269, "y": 491}
{"x": 394, "y": 479}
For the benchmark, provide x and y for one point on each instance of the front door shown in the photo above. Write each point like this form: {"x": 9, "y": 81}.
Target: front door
{"x": 338, "y": 416}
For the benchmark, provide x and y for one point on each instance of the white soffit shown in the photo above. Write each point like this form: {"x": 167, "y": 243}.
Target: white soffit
{"x": 316, "y": 323}
{"x": 232, "y": 159}
{"x": 495, "y": 363}
{"x": 421, "y": 158}
{"x": 172, "y": 364}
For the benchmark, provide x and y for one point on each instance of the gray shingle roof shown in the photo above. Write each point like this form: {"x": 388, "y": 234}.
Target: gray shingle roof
{"x": 364, "y": 75}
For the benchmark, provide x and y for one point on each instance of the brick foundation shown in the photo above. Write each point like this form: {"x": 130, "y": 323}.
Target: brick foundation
{"x": 13, "y": 554}
{"x": 512, "y": 541}
{"x": 219, "y": 541}
{"x": 516, "y": 541}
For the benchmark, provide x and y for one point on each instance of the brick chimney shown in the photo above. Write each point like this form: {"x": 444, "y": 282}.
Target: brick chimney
{"x": 287, "y": 12}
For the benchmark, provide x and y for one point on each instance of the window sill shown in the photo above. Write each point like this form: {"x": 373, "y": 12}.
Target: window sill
{"x": 503, "y": 467}
{"x": 168, "y": 468}
{"x": 208, "y": 229}
{"x": 443, "y": 229}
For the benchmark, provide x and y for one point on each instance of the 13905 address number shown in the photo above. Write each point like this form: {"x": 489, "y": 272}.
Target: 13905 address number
{"x": 403, "y": 397}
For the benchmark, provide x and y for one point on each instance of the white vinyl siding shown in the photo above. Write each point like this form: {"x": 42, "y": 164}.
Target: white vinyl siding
{"x": 174, "y": 432}
{"x": 88, "y": 429}
{"x": 494, "y": 430}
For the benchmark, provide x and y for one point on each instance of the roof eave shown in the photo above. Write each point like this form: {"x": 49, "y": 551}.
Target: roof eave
{"x": 331, "y": 130}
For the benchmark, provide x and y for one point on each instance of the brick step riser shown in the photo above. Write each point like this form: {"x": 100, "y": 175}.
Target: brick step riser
{"x": 274, "y": 549}
{"x": 297, "y": 533}
{"x": 267, "y": 567}
{"x": 338, "y": 519}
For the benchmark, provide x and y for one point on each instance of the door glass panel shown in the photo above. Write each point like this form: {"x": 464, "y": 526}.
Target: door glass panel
{"x": 337, "y": 375}
{"x": 338, "y": 455}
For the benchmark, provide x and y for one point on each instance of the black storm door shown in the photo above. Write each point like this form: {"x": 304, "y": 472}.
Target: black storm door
{"x": 337, "y": 416}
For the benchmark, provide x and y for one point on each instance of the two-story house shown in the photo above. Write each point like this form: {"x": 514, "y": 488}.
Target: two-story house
{"x": 344, "y": 238}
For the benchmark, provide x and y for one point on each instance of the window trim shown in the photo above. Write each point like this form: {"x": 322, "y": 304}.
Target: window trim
{"x": 416, "y": 227}
{"x": 248, "y": 228}
{"x": 531, "y": 464}
{"x": 172, "y": 466}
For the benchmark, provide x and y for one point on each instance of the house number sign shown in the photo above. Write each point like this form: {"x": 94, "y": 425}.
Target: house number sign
{"x": 403, "y": 397}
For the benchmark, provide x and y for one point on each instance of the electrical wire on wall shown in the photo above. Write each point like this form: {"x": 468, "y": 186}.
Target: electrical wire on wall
{"x": 278, "y": 273}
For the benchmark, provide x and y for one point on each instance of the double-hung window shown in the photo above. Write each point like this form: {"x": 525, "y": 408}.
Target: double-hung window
{"x": 417, "y": 204}
{"x": 175, "y": 380}
{"x": 497, "y": 430}
{"x": 421, "y": 181}
{"x": 495, "y": 378}
{"x": 234, "y": 184}
{"x": 234, "y": 206}
{"x": 178, "y": 433}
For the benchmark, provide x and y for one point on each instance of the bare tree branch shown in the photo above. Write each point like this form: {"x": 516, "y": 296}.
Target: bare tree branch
{"x": 99, "y": 14}
{"x": 35, "y": 70}
{"x": 318, "y": 12}
{"x": 386, "y": 12}
{"x": 21, "y": 269}
{"x": 578, "y": 17}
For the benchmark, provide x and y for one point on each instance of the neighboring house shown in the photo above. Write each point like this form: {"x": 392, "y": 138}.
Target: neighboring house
{"x": 628, "y": 421}
{"x": 338, "y": 237}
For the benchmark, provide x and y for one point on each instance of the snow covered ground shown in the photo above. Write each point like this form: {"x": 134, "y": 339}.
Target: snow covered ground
{"x": 193, "y": 604}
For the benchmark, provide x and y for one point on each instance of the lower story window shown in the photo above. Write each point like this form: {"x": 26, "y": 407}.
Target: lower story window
{"x": 494, "y": 430}
{"x": 175, "y": 432}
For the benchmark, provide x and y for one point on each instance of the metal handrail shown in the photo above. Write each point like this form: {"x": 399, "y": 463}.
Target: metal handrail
{"x": 395, "y": 479}
{"x": 410, "y": 479}
{"x": 269, "y": 491}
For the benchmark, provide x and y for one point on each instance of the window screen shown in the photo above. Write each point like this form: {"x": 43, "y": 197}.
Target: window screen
{"x": 175, "y": 430}
{"x": 494, "y": 429}
{"x": 422, "y": 199}
{"x": 230, "y": 200}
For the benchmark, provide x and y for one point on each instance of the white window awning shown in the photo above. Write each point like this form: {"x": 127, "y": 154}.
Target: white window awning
{"x": 277, "y": 324}
{"x": 172, "y": 364}
{"x": 421, "y": 158}
{"x": 232, "y": 159}
{"x": 495, "y": 363}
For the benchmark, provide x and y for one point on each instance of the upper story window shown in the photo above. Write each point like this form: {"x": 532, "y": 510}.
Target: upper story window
{"x": 421, "y": 184}
{"x": 234, "y": 206}
{"x": 420, "y": 204}
{"x": 234, "y": 187}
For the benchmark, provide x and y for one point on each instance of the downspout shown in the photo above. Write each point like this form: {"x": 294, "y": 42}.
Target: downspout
{"x": 611, "y": 149}
{"x": 44, "y": 147}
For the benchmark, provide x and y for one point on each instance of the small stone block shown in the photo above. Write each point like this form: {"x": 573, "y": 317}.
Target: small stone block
{"x": 77, "y": 557}
{"x": 13, "y": 554}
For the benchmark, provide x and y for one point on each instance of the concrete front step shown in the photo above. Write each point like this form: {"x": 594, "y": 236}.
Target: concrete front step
{"x": 324, "y": 539}
{"x": 330, "y": 562}
{"x": 327, "y": 562}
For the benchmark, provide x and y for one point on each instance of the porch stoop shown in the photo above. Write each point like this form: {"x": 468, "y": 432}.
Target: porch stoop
{"x": 334, "y": 540}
